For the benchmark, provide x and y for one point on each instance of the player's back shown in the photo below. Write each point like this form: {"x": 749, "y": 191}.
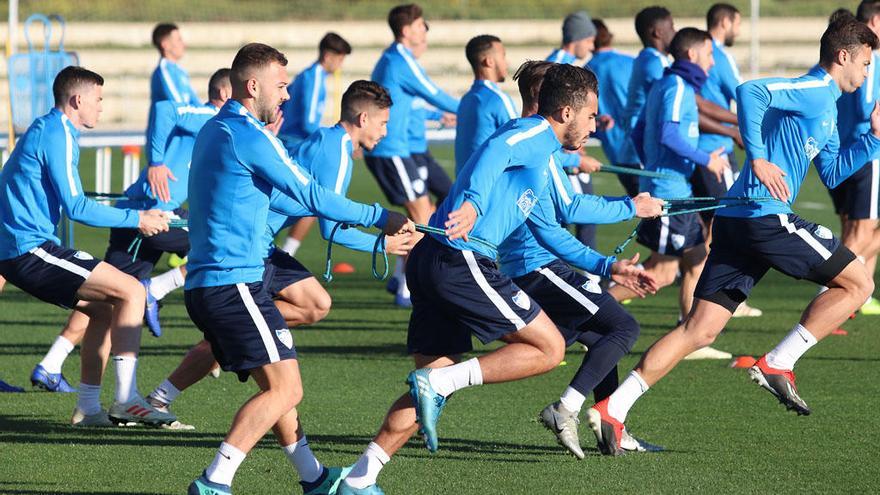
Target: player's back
{"x": 720, "y": 89}
{"x": 305, "y": 108}
{"x": 482, "y": 111}
{"x": 613, "y": 71}
{"x": 389, "y": 72}
{"x": 647, "y": 68}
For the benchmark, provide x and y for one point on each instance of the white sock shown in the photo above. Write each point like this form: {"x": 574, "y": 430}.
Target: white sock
{"x": 446, "y": 380}
{"x": 620, "y": 402}
{"x": 225, "y": 464}
{"x": 165, "y": 393}
{"x": 300, "y": 455}
{"x": 572, "y": 400}
{"x": 88, "y": 399}
{"x": 54, "y": 359}
{"x": 126, "y": 378}
{"x": 403, "y": 289}
{"x": 792, "y": 347}
{"x": 367, "y": 468}
{"x": 291, "y": 245}
{"x": 161, "y": 285}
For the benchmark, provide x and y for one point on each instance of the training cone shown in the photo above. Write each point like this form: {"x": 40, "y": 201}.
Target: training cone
{"x": 743, "y": 362}
{"x": 840, "y": 331}
{"x": 343, "y": 268}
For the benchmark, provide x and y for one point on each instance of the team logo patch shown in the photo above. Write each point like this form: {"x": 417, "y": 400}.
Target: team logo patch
{"x": 522, "y": 300}
{"x": 82, "y": 255}
{"x": 822, "y": 232}
{"x": 527, "y": 201}
{"x": 677, "y": 240}
{"x": 811, "y": 147}
{"x": 694, "y": 130}
{"x": 418, "y": 186}
{"x": 592, "y": 287}
{"x": 284, "y": 336}
{"x": 423, "y": 173}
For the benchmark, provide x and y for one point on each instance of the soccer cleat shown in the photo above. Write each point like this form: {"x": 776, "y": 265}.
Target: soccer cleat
{"x": 564, "y": 424}
{"x": 746, "y": 311}
{"x": 50, "y": 382}
{"x": 215, "y": 372}
{"x": 163, "y": 408}
{"x": 9, "y": 389}
{"x": 81, "y": 419}
{"x": 402, "y": 301}
{"x": 328, "y": 483}
{"x": 630, "y": 443}
{"x": 201, "y": 486}
{"x": 871, "y": 307}
{"x": 138, "y": 410}
{"x": 346, "y": 489}
{"x": 779, "y": 383}
{"x": 708, "y": 353}
{"x": 429, "y": 404}
{"x": 392, "y": 285}
{"x": 151, "y": 312}
{"x": 175, "y": 261}
{"x": 608, "y": 430}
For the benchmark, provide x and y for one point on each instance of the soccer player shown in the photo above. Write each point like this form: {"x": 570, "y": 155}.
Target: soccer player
{"x": 40, "y": 179}
{"x": 786, "y": 124}
{"x": 457, "y": 289}
{"x": 169, "y": 80}
{"x": 579, "y": 308}
{"x": 578, "y": 34}
{"x": 485, "y": 107}
{"x": 239, "y": 164}
{"x": 670, "y": 126}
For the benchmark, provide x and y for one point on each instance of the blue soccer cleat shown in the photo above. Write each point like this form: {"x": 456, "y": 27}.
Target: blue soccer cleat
{"x": 201, "y": 486}
{"x": 392, "y": 285}
{"x": 50, "y": 382}
{"x": 429, "y": 405}
{"x": 346, "y": 489}
{"x": 402, "y": 301}
{"x": 328, "y": 483}
{"x": 151, "y": 313}
{"x": 9, "y": 389}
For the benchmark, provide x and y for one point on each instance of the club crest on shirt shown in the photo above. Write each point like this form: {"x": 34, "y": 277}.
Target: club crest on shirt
{"x": 82, "y": 255}
{"x": 694, "y": 130}
{"x": 811, "y": 147}
{"x": 522, "y": 300}
{"x": 677, "y": 240}
{"x": 527, "y": 201}
{"x": 284, "y": 337}
{"x": 822, "y": 232}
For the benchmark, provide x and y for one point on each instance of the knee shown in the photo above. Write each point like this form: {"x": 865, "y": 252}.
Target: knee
{"x": 320, "y": 308}
{"x": 130, "y": 290}
{"x": 700, "y": 337}
{"x": 629, "y": 329}
{"x": 554, "y": 352}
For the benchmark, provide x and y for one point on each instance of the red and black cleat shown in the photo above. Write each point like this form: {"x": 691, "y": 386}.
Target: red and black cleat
{"x": 780, "y": 383}
{"x": 608, "y": 430}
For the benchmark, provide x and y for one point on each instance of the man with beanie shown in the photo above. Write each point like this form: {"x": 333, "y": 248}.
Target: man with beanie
{"x": 578, "y": 34}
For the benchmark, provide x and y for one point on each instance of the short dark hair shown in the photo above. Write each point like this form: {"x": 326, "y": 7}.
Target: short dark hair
{"x": 685, "y": 39}
{"x": 477, "y": 47}
{"x": 70, "y": 80}
{"x": 218, "y": 81}
{"x": 529, "y": 77}
{"x": 566, "y": 85}
{"x": 718, "y": 13}
{"x": 250, "y": 57}
{"x": 333, "y": 43}
{"x": 360, "y": 94}
{"x": 647, "y": 19}
{"x": 867, "y": 9}
{"x": 162, "y": 31}
{"x": 846, "y": 34}
{"x": 402, "y": 16}
{"x": 603, "y": 34}
{"x": 840, "y": 14}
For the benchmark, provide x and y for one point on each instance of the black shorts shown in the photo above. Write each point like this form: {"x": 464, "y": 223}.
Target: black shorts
{"x": 50, "y": 273}
{"x": 744, "y": 249}
{"x": 458, "y": 293}
{"x": 173, "y": 241}
{"x": 398, "y": 178}
{"x": 242, "y": 324}
{"x": 281, "y": 271}
{"x": 859, "y": 195}
{"x": 671, "y": 236}
{"x": 629, "y": 182}
{"x": 437, "y": 179}
{"x": 705, "y": 184}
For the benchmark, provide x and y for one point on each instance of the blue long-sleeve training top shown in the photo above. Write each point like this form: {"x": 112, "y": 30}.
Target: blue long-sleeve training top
{"x": 647, "y": 68}
{"x": 40, "y": 179}
{"x": 239, "y": 163}
{"x": 305, "y": 108}
{"x": 791, "y": 122}
{"x": 483, "y": 109}
{"x": 403, "y": 77}
{"x": 170, "y": 81}
{"x": 720, "y": 89}
{"x": 419, "y": 115}
{"x": 560, "y": 56}
{"x": 613, "y": 71}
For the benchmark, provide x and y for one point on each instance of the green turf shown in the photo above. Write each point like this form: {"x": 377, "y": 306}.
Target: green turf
{"x": 724, "y": 435}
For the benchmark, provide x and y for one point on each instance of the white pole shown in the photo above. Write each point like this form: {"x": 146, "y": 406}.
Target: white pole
{"x": 754, "y": 42}
{"x": 99, "y": 170}
{"x": 108, "y": 168}
{"x": 11, "y": 42}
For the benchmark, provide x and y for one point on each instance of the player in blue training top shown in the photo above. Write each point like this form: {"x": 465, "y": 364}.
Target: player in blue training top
{"x": 457, "y": 289}
{"x": 485, "y": 107}
{"x": 578, "y": 34}
{"x": 38, "y": 182}
{"x": 668, "y": 132}
{"x": 655, "y": 30}
{"x": 785, "y": 124}
{"x": 239, "y": 164}
{"x": 613, "y": 70}
{"x": 169, "y": 80}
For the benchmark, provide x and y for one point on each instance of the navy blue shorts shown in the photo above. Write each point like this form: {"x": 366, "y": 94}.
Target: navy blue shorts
{"x": 629, "y": 182}
{"x": 744, "y": 249}
{"x": 436, "y": 179}
{"x": 241, "y": 322}
{"x": 705, "y": 184}
{"x": 50, "y": 273}
{"x": 671, "y": 236}
{"x": 173, "y": 241}
{"x": 458, "y": 293}
{"x": 281, "y": 271}
{"x": 569, "y": 298}
{"x": 859, "y": 195}
{"x": 398, "y": 178}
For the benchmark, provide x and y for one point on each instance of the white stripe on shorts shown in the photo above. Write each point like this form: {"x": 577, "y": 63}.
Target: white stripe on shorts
{"x": 60, "y": 263}
{"x": 259, "y": 321}
{"x": 404, "y": 177}
{"x": 493, "y": 296}
{"x": 875, "y": 185}
{"x": 664, "y": 235}
{"x": 806, "y": 236}
{"x": 571, "y": 291}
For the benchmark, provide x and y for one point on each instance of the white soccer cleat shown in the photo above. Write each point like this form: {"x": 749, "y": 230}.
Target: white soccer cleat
{"x": 746, "y": 311}
{"x": 138, "y": 410}
{"x": 215, "y": 372}
{"x": 99, "y": 419}
{"x": 708, "y": 353}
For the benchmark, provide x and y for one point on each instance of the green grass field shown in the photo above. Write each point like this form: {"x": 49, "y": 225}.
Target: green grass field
{"x": 723, "y": 434}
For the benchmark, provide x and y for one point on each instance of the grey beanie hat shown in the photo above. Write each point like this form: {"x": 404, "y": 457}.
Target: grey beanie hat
{"x": 577, "y": 26}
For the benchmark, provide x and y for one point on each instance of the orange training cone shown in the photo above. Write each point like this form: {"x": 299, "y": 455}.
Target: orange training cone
{"x": 743, "y": 362}
{"x": 343, "y": 268}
